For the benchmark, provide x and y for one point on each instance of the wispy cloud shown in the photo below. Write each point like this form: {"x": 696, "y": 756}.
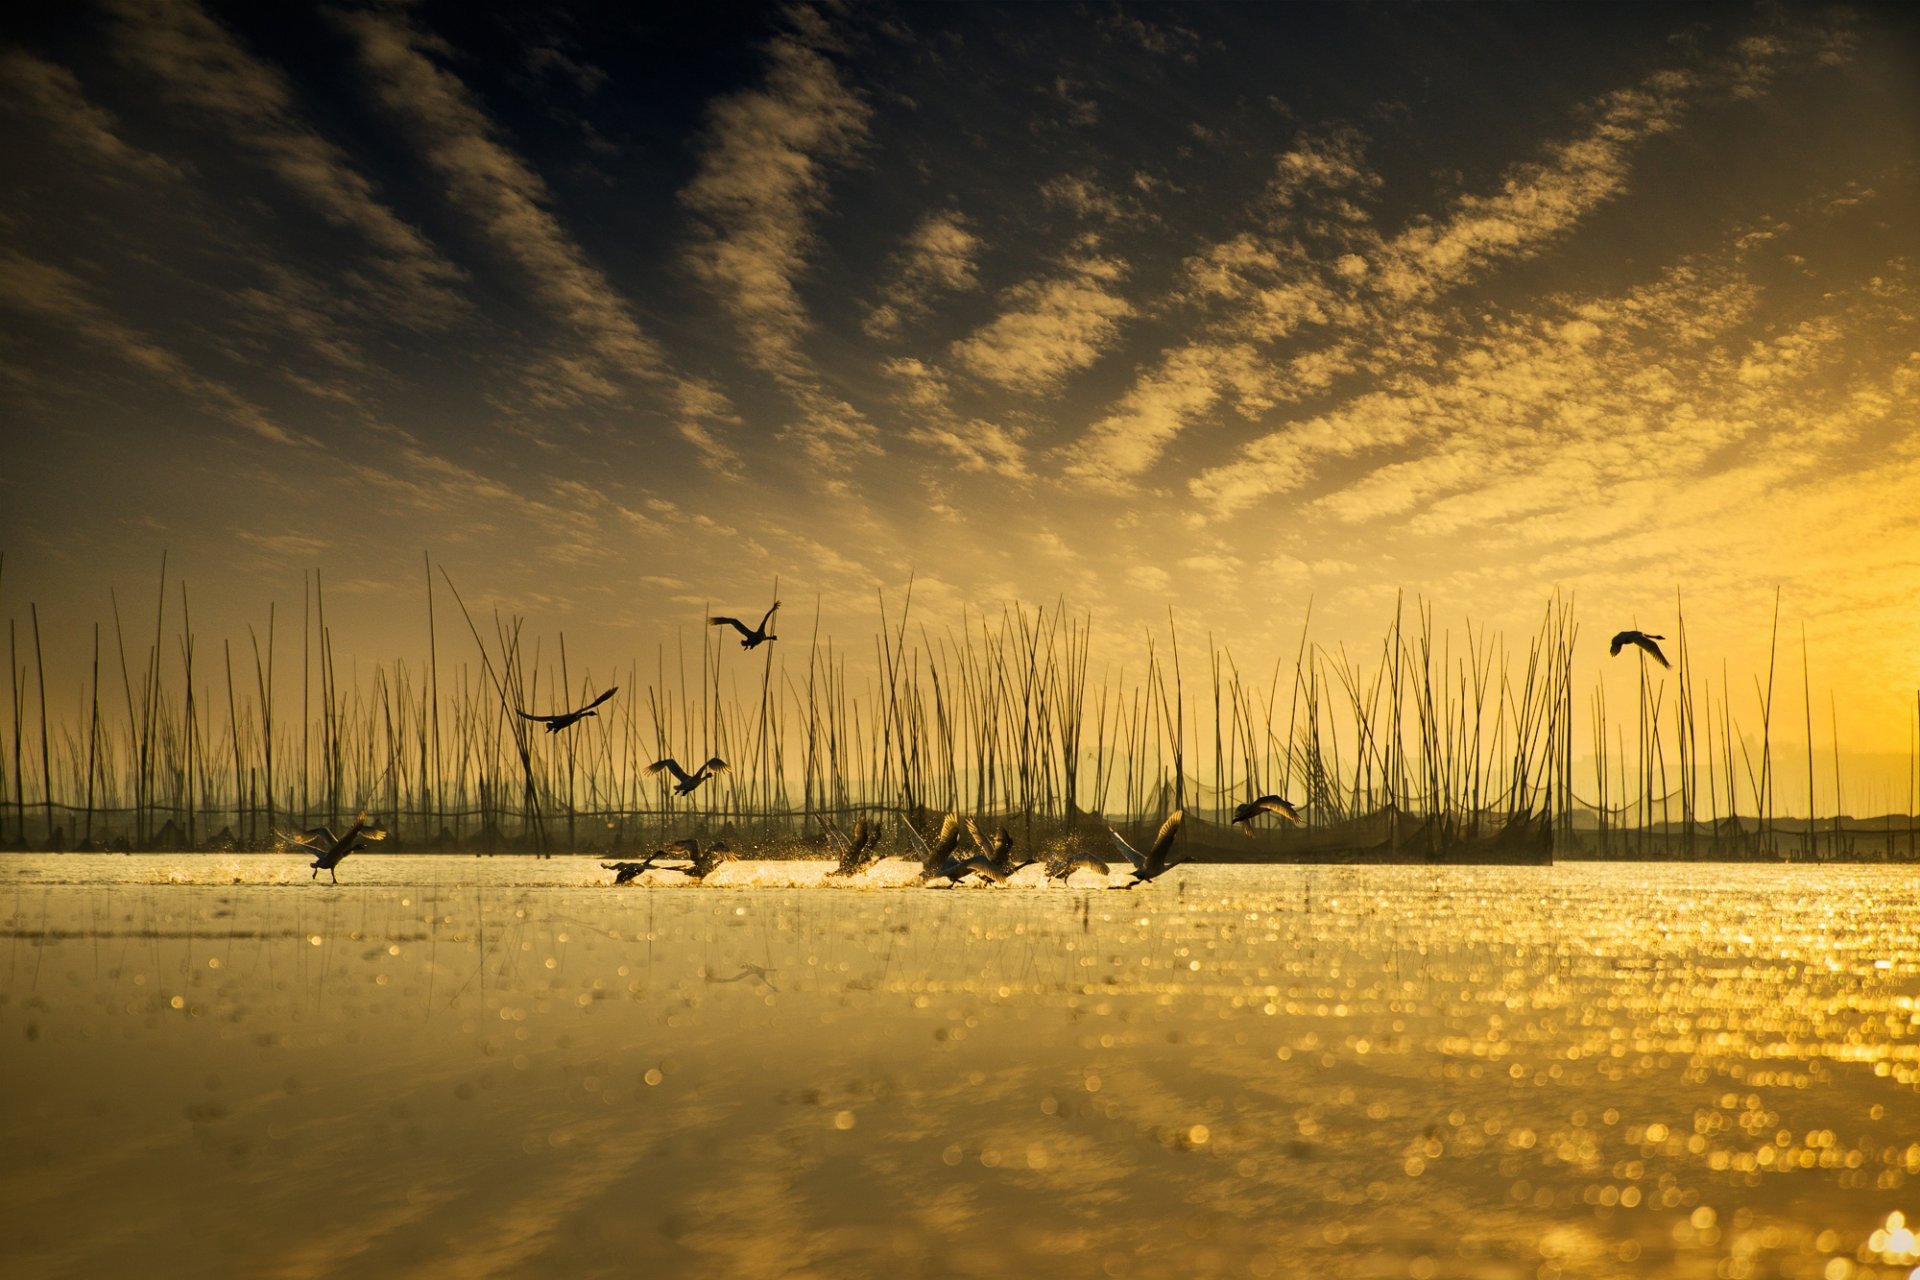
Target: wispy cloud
{"x": 938, "y": 257}
{"x": 764, "y": 164}
{"x": 53, "y": 95}
{"x": 513, "y": 207}
{"x": 201, "y": 64}
{"x": 979, "y": 446}
{"x": 1050, "y": 327}
{"x": 55, "y": 296}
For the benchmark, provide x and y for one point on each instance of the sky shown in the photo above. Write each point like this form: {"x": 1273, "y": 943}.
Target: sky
{"x": 619, "y": 313}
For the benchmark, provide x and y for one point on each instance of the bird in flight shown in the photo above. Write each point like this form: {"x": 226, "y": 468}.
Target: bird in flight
{"x": 1641, "y": 638}
{"x": 1153, "y": 863}
{"x": 627, "y": 871}
{"x": 1246, "y": 813}
{"x": 704, "y": 862}
{"x": 937, "y": 858}
{"x": 995, "y": 863}
{"x": 556, "y": 723}
{"x": 1065, "y": 864}
{"x": 754, "y": 637}
{"x": 860, "y": 852}
{"x": 685, "y": 782}
{"x": 328, "y": 849}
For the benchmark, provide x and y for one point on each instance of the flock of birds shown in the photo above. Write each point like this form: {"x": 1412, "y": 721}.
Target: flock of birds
{"x": 940, "y": 859}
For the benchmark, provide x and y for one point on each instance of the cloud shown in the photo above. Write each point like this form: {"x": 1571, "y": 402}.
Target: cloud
{"x": 201, "y": 64}
{"x": 979, "y": 446}
{"x": 1186, "y": 384}
{"x": 53, "y": 295}
{"x": 938, "y": 257}
{"x": 512, "y": 205}
{"x": 763, "y": 173}
{"x": 51, "y": 93}
{"x": 1051, "y": 328}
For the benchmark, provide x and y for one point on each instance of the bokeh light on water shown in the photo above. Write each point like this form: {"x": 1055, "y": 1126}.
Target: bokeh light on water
{"x": 505, "y": 1066}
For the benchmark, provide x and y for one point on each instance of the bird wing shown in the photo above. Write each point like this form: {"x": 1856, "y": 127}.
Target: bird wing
{"x": 1274, "y": 804}
{"x": 949, "y": 836}
{"x": 1132, "y": 855}
{"x": 716, "y": 765}
{"x": 735, "y": 623}
{"x": 602, "y": 698}
{"x": 671, "y": 765}
{"x": 1647, "y": 643}
{"x": 530, "y": 716}
{"x": 1157, "y": 855}
{"x": 1613, "y": 646}
{"x": 974, "y": 831}
{"x": 768, "y": 616}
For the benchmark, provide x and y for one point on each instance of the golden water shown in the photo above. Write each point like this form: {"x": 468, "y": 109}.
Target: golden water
{"x": 451, "y": 1066}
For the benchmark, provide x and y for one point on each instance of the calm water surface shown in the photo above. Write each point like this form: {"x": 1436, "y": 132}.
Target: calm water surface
{"x": 452, "y": 1066}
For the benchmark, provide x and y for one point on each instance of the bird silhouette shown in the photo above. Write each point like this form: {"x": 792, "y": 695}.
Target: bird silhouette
{"x": 556, "y": 723}
{"x": 993, "y": 863}
{"x": 755, "y": 636}
{"x": 685, "y": 782}
{"x": 1154, "y": 862}
{"x": 1624, "y": 638}
{"x": 1246, "y": 813}
{"x": 937, "y": 858}
{"x": 1065, "y": 864}
{"x": 328, "y": 849}
{"x": 701, "y": 863}
{"x": 861, "y": 849}
{"x": 627, "y": 871}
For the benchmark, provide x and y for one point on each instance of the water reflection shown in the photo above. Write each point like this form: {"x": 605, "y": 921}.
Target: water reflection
{"x": 508, "y": 1066}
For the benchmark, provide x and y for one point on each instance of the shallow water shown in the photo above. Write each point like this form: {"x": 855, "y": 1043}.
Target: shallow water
{"x": 456, "y": 1066}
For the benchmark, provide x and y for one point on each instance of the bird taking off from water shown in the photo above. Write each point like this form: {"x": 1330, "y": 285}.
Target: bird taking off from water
{"x": 860, "y": 851}
{"x": 937, "y": 859}
{"x": 1246, "y": 813}
{"x": 1154, "y": 862}
{"x": 1062, "y": 865}
{"x": 328, "y": 849}
{"x": 685, "y": 782}
{"x": 995, "y": 863}
{"x": 1641, "y": 638}
{"x": 556, "y": 723}
{"x": 757, "y": 636}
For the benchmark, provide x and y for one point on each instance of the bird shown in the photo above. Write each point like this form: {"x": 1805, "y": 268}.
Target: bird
{"x": 1065, "y": 864}
{"x": 936, "y": 858}
{"x": 700, "y": 862}
{"x": 996, "y": 863}
{"x": 328, "y": 849}
{"x": 860, "y": 852}
{"x": 1622, "y": 639}
{"x": 686, "y": 782}
{"x": 754, "y": 637}
{"x": 556, "y": 723}
{"x": 626, "y": 871}
{"x": 1154, "y": 862}
{"x": 1246, "y": 813}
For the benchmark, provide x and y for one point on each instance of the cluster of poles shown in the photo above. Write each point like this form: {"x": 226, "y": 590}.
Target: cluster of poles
{"x": 174, "y": 746}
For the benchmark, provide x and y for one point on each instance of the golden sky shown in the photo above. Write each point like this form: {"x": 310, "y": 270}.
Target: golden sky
{"x": 616, "y": 311}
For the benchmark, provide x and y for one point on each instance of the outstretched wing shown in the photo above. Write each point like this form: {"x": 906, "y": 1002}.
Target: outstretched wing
{"x": 602, "y": 698}
{"x": 1276, "y": 805}
{"x": 980, "y": 843}
{"x": 1163, "y": 842}
{"x": 671, "y": 765}
{"x": 716, "y": 765}
{"x": 1647, "y": 643}
{"x": 1131, "y": 854}
{"x": 768, "y": 616}
{"x": 528, "y": 715}
{"x": 735, "y": 623}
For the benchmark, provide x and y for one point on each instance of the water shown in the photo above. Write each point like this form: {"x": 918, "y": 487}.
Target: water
{"x": 504, "y": 1066}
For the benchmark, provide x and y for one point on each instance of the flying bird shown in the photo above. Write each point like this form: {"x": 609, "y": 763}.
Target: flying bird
{"x": 556, "y": 723}
{"x": 1064, "y": 865}
{"x": 1641, "y": 638}
{"x": 754, "y": 637}
{"x": 861, "y": 851}
{"x": 937, "y": 858}
{"x": 1154, "y": 862}
{"x": 706, "y": 861}
{"x": 1246, "y": 813}
{"x": 686, "y": 782}
{"x": 328, "y": 849}
{"x": 627, "y": 871}
{"x": 995, "y": 863}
